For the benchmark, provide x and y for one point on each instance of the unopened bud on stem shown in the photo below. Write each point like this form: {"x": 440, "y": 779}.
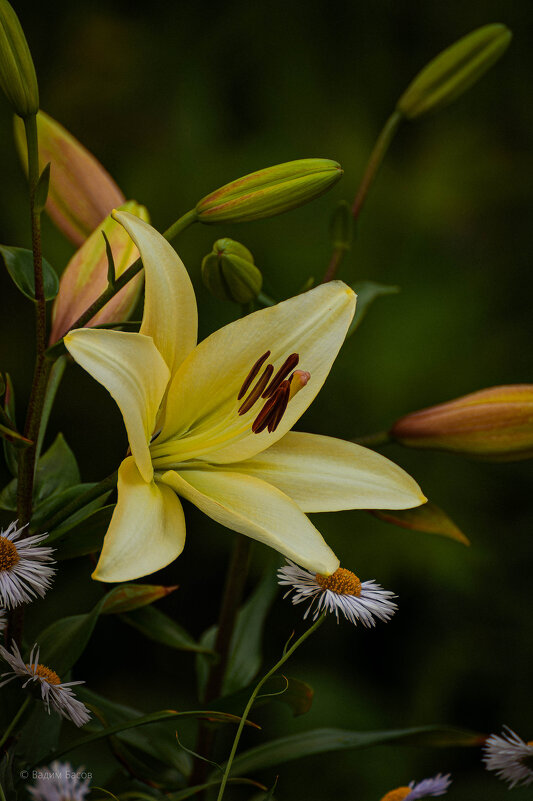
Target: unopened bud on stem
{"x": 229, "y": 272}
{"x": 271, "y": 191}
{"x": 494, "y": 424}
{"x": 454, "y": 70}
{"x": 17, "y": 73}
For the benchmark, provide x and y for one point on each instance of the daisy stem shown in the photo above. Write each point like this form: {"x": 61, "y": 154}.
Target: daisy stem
{"x": 372, "y": 168}
{"x": 15, "y": 720}
{"x": 287, "y": 655}
{"x": 176, "y": 228}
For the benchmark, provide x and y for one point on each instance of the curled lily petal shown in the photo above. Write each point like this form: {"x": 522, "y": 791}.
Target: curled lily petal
{"x": 147, "y": 529}
{"x": 202, "y": 419}
{"x": 324, "y": 474}
{"x": 134, "y": 373}
{"x": 170, "y": 315}
{"x": 255, "y": 508}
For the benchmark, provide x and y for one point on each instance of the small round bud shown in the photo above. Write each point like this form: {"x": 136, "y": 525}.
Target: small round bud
{"x": 454, "y": 70}
{"x": 271, "y": 191}
{"x": 17, "y": 73}
{"x": 494, "y": 424}
{"x": 229, "y": 272}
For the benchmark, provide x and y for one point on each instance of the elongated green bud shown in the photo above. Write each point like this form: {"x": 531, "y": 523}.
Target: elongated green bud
{"x": 454, "y": 70}
{"x": 17, "y": 73}
{"x": 271, "y": 191}
{"x": 494, "y": 424}
{"x": 229, "y": 272}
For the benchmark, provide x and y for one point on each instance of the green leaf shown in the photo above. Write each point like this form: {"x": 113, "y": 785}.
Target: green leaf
{"x": 321, "y": 741}
{"x": 341, "y": 226}
{"x": 39, "y": 734}
{"x": 64, "y": 641}
{"x": 127, "y": 597}
{"x": 41, "y": 190}
{"x": 245, "y": 654}
{"x": 429, "y": 518}
{"x": 367, "y": 292}
{"x": 14, "y": 437}
{"x": 10, "y": 453}
{"x": 56, "y": 471}
{"x": 84, "y": 536}
{"x": 189, "y": 792}
{"x": 154, "y": 717}
{"x": 19, "y": 264}
{"x": 158, "y": 741}
{"x": 57, "y": 502}
{"x": 159, "y": 627}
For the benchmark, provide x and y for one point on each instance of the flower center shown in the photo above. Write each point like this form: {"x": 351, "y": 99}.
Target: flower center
{"x": 49, "y": 676}
{"x": 343, "y": 582}
{"x": 276, "y": 390}
{"x": 397, "y": 795}
{"x": 9, "y": 555}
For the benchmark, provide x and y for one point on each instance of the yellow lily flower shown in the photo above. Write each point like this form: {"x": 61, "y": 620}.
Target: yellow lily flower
{"x": 211, "y": 422}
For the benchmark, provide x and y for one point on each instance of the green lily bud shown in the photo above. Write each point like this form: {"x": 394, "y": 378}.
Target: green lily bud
{"x": 82, "y": 193}
{"x": 271, "y": 191}
{"x": 86, "y": 276}
{"x": 229, "y": 272}
{"x": 17, "y": 73}
{"x": 494, "y": 424}
{"x": 454, "y": 70}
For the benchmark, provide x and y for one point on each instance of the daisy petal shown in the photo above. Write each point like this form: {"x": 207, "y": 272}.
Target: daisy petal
{"x": 257, "y": 509}
{"x": 147, "y": 530}
{"x": 170, "y": 316}
{"x": 134, "y": 373}
{"x": 203, "y": 404}
{"x": 324, "y": 474}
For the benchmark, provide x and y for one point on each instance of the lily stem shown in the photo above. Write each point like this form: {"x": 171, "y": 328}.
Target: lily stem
{"x": 372, "y": 168}
{"x": 176, "y": 228}
{"x": 287, "y": 655}
{"x": 233, "y": 592}
{"x": 15, "y": 720}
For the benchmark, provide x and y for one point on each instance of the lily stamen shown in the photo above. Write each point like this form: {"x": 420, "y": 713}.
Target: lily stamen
{"x": 273, "y": 410}
{"x": 286, "y": 368}
{"x": 255, "y": 394}
{"x": 252, "y": 374}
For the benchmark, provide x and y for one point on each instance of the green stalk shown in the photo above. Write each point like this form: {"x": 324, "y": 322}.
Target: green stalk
{"x": 180, "y": 225}
{"x": 288, "y": 653}
{"x": 372, "y": 168}
{"x": 15, "y": 720}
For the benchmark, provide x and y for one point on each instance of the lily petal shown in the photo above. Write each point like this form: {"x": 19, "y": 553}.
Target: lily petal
{"x": 257, "y": 509}
{"x": 147, "y": 529}
{"x": 133, "y": 371}
{"x": 324, "y": 474}
{"x": 170, "y": 314}
{"x": 202, "y": 404}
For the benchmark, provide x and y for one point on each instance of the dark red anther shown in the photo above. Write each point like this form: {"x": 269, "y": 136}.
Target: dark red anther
{"x": 287, "y": 367}
{"x": 252, "y": 374}
{"x": 273, "y": 410}
{"x": 255, "y": 394}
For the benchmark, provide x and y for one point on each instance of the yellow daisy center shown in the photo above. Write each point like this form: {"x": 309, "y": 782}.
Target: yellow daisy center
{"x": 9, "y": 556}
{"x": 397, "y": 795}
{"x": 50, "y": 676}
{"x": 342, "y": 582}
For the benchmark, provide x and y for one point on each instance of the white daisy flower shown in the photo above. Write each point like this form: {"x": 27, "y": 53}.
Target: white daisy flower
{"x": 340, "y": 592}
{"x": 25, "y": 569}
{"x": 53, "y": 692}
{"x": 510, "y": 757}
{"x": 427, "y": 788}
{"x": 60, "y": 782}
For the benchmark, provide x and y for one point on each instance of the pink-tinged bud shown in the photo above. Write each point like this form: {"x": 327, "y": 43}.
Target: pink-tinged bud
{"x": 86, "y": 277}
{"x": 82, "y": 193}
{"x": 495, "y": 424}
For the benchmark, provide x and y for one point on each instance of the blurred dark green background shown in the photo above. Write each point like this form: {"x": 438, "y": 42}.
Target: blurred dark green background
{"x": 177, "y": 98}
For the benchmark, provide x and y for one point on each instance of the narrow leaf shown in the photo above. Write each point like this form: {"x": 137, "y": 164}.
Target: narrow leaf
{"x": 84, "y": 536}
{"x": 429, "y": 518}
{"x": 321, "y": 741}
{"x": 19, "y": 264}
{"x": 189, "y": 792}
{"x": 14, "y": 437}
{"x": 127, "y": 597}
{"x": 367, "y": 292}
{"x": 159, "y": 627}
{"x": 111, "y": 269}
{"x": 10, "y": 453}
